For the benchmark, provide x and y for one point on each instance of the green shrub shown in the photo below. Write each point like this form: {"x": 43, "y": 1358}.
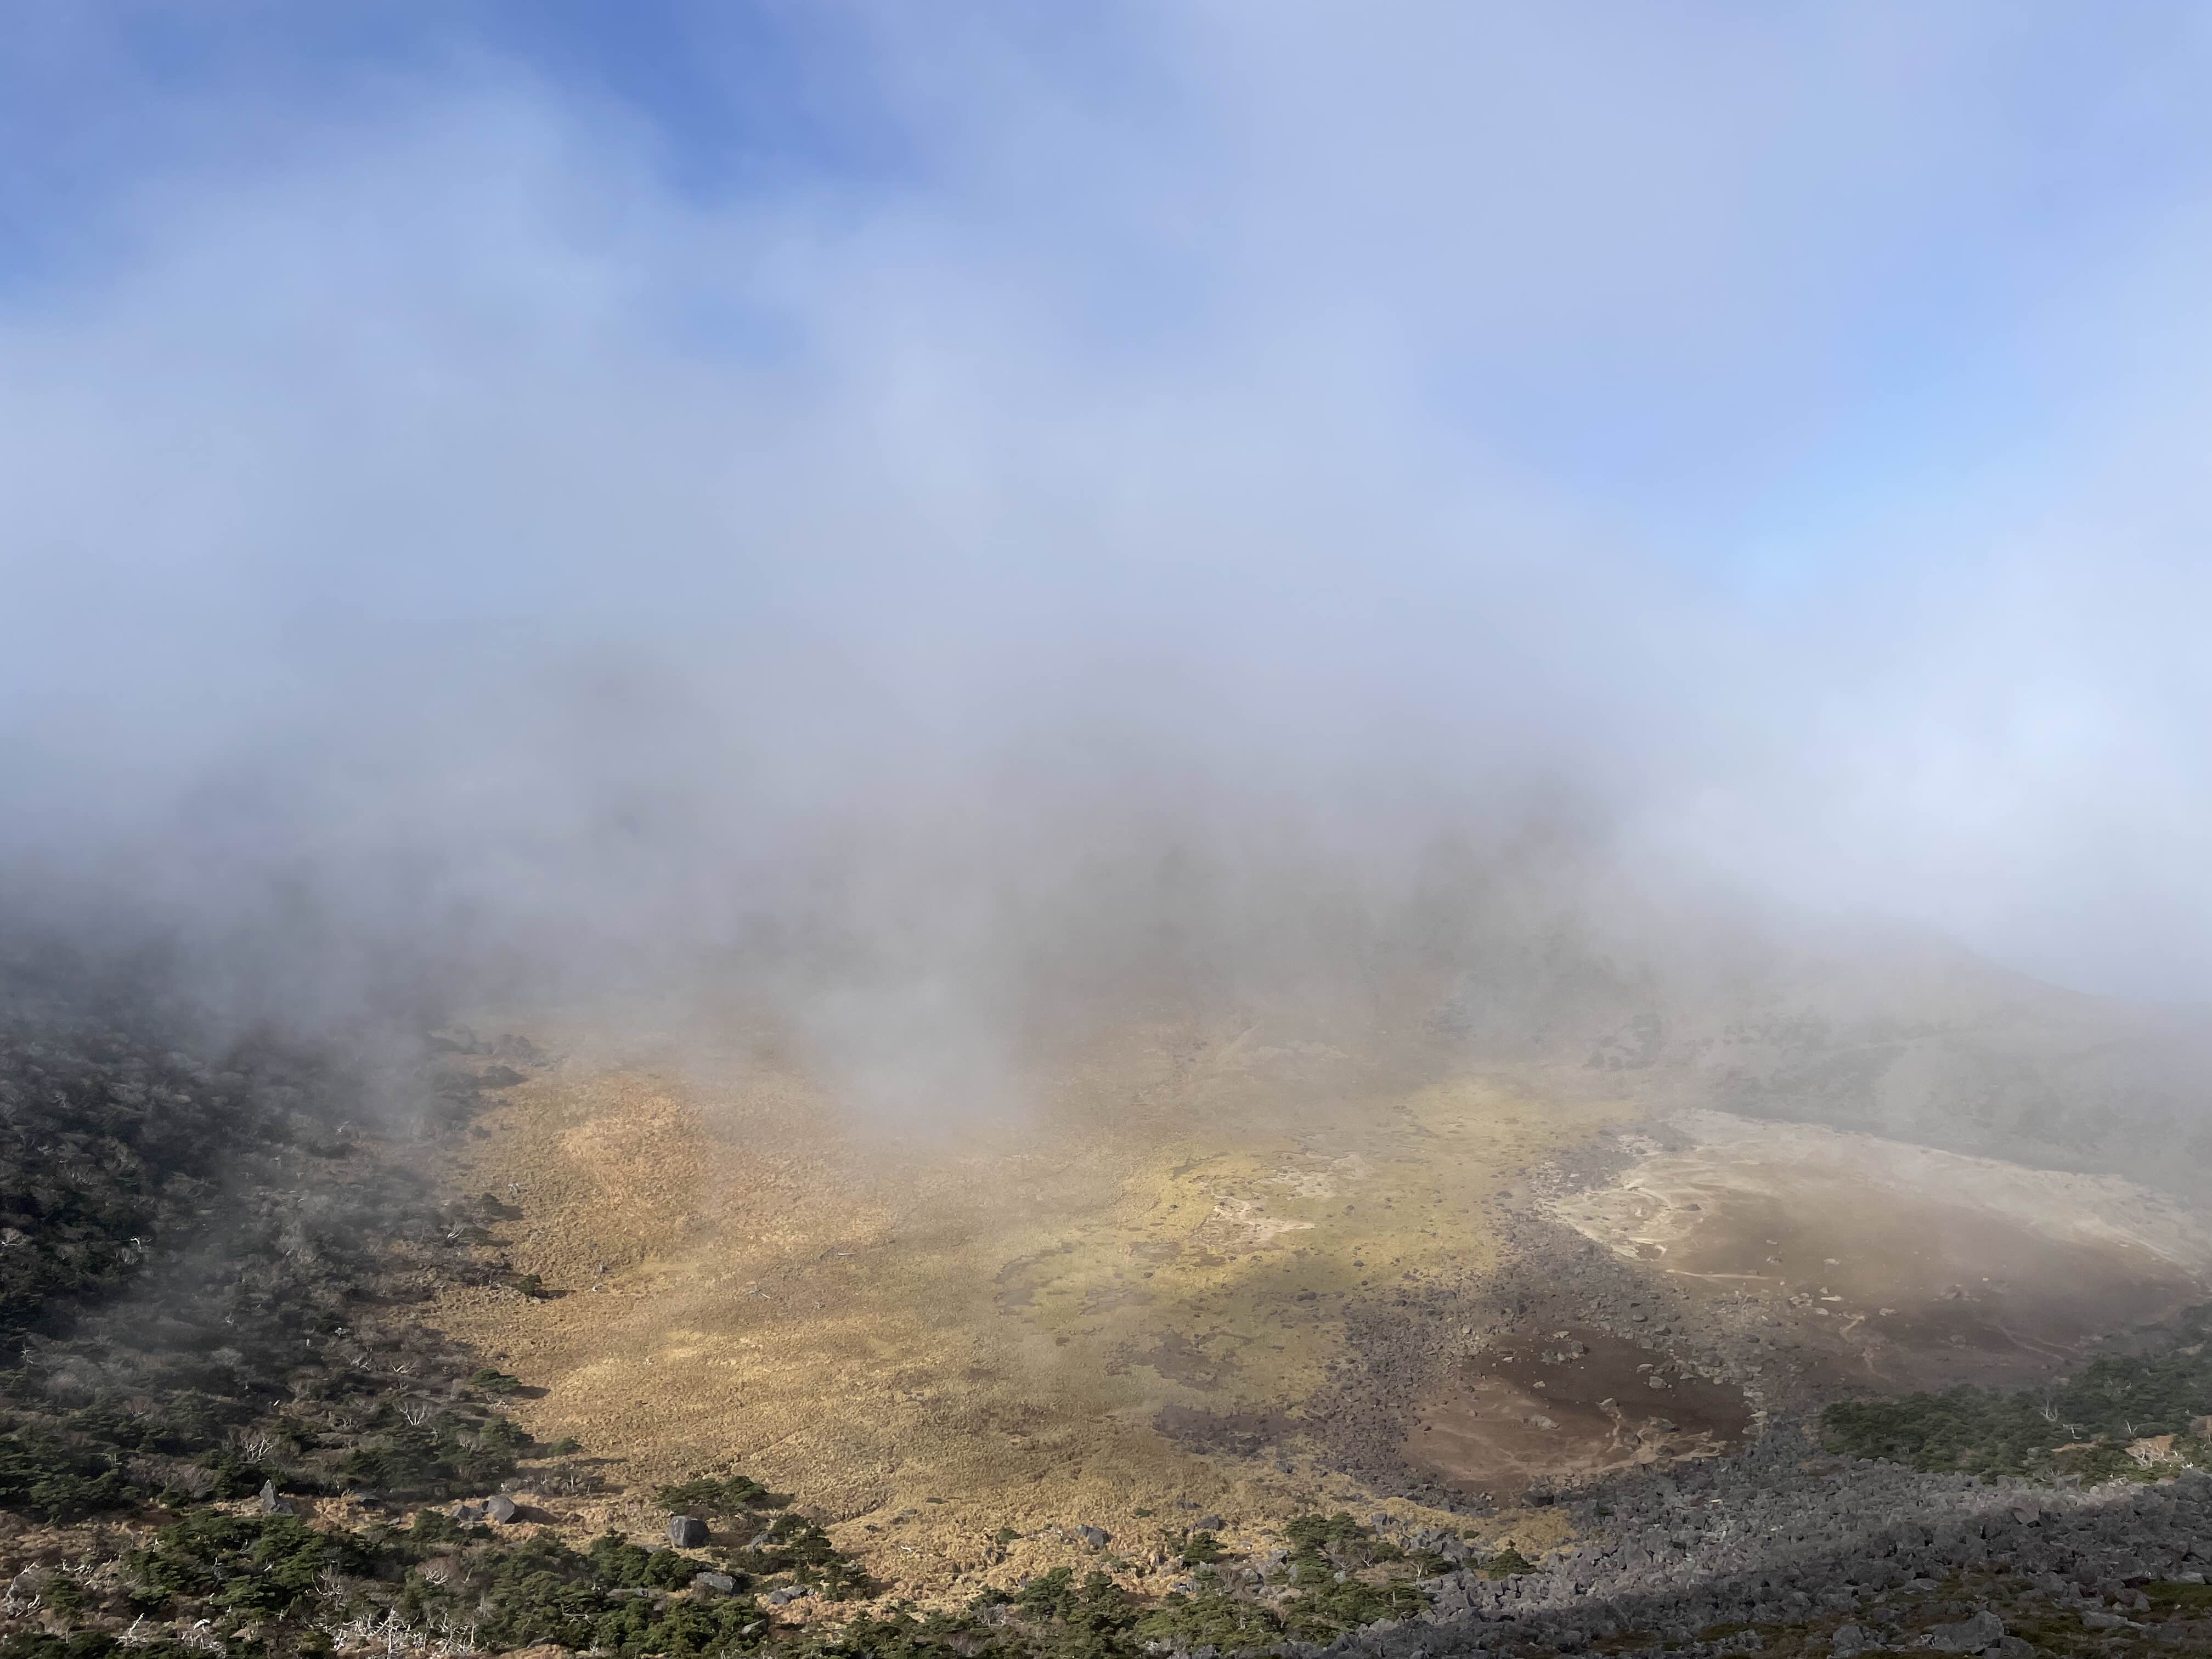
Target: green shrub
{"x": 84, "y": 1644}
{"x": 900, "y": 1634}
{"x": 734, "y": 1495}
{"x": 448, "y": 1457}
{"x": 45, "y": 1477}
{"x": 1201, "y": 1549}
{"x": 1210, "y": 1619}
{"x": 791, "y": 1543}
{"x": 263, "y": 1565}
{"x": 685, "y": 1627}
{"x": 2115, "y": 1399}
{"x": 1096, "y": 1608}
{"x": 622, "y": 1565}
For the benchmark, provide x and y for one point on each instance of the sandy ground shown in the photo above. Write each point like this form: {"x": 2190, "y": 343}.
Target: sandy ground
{"x": 937, "y": 1338}
{"x": 1910, "y": 1266}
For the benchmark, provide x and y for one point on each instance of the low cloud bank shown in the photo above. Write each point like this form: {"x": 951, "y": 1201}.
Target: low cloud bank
{"x": 1112, "y": 554}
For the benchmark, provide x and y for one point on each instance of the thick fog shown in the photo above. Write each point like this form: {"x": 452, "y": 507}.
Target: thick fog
{"x": 933, "y": 512}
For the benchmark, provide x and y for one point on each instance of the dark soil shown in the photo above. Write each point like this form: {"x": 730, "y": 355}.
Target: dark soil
{"x": 1545, "y": 1408}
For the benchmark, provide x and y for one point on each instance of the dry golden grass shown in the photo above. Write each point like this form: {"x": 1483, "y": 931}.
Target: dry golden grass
{"x": 982, "y": 1326}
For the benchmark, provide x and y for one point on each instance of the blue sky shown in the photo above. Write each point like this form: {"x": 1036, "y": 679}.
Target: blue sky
{"x": 2012, "y": 157}
{"x": 1790, "y": 412}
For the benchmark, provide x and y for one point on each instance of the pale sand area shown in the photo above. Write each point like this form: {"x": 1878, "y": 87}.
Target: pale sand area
{"x": 996, "y": 1319}
{"x": 1912, "y": 1265}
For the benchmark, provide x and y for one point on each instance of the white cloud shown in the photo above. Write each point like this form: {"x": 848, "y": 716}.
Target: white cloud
{"x": 453, "y": 518}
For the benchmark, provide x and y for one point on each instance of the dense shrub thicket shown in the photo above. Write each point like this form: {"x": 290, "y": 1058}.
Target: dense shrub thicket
{"x": 1322, "y": 1583}
{"x": 277, "y": 1584}
{"x": 2081, "y": 1426}
{"x": 200, "y": 1247}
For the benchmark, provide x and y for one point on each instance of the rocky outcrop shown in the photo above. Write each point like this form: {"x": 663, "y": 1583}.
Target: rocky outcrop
{"x": 1778, "y": 1535}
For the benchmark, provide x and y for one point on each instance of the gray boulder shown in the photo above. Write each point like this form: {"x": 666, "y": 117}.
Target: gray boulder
{"x": 500, "y": 1507}
{"x": 1095, "y": 1538}
{"x": 1968, "y": 1635}
{"x": 271, "y": 1503}
{"x": 686, "y": 1531}
{"x": 714, "y": 1583}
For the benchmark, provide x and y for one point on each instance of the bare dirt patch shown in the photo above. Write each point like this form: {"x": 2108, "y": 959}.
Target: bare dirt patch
{"x": 1568, "y": 1405}
{"x": 1900, "y": 1264}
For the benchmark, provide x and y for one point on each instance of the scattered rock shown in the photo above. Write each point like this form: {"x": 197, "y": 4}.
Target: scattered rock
{"x": 1095, "y": 1538}
{"x": 272, "y": 1504}
{"x": 1206, "y": 1523}
{"x": 714, "y": 1583}
{"x": 500, "y": 1507}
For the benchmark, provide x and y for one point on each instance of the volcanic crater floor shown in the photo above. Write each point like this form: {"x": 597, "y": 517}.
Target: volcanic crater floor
{"x": 1893, "y": 1266}
{"x": 1158, "y": 1295}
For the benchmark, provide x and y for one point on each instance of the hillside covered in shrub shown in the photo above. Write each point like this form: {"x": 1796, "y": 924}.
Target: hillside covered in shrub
{"x": 2133, "y": 1412}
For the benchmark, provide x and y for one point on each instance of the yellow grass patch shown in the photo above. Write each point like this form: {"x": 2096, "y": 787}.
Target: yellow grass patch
{"x": 991, "y": 1320}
